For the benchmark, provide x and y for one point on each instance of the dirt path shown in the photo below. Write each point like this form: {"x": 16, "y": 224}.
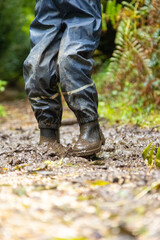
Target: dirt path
{"x": 42, "y": 197}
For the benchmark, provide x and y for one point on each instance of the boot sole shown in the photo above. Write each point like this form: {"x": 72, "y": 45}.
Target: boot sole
{"x": 88, "y": 153}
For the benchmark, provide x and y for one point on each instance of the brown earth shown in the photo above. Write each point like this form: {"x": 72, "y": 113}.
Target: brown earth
{"x": 43, "y": 197}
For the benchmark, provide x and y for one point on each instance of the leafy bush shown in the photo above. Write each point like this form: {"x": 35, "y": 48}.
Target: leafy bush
{"x": 136, "y": 58}
{"x": 129, "y": 86}
{"x": 110, "y": 12}
{"x": 15, "y": 19}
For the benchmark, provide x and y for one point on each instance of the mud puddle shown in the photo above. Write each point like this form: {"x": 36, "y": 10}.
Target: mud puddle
{"x": 110, "y": 196}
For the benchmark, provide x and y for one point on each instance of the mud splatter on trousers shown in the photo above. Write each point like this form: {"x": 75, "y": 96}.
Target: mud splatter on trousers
{"x": 64, "y": 35}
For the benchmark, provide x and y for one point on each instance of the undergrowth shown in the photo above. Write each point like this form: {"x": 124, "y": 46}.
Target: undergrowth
{"x": 120, "y": 109}
{"x": 152, "y": 156}
{"x": 2, "y": 88}
{"x": 130, "y": 84}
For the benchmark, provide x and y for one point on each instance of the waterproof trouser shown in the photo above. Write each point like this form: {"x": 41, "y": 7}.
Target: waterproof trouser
{"x": 64, "y": 35}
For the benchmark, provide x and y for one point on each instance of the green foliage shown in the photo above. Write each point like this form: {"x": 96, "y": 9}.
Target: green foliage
{"x": 158, "y": 153}
{"x": 2, "y": 111}
{"x": 152, "y": 158}
{"x": 2, "y": 85}
{"x": 120, "y": 106}
{"x": 2, "y": 88}
{"x": 136, "y": 58}
{"x": 110, "y": 12}
{"x": 146, "y": 151}
{"x": 100, "y": 77}
{"x": 131, "y": 92}
{"x": 15, "y": 18}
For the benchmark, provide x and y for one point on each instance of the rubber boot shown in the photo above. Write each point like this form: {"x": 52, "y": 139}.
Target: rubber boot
{"x": 90, "y": 140}
{"x": 50, "y": 141}
{"x": 49, "y": 135}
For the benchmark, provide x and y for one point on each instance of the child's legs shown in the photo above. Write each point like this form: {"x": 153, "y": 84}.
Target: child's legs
{"x": 80, "y": 39}
{"x": 40, "y": 66}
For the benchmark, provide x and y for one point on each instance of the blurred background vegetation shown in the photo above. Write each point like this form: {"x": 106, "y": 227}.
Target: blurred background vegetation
{"x": 127, "y": 62}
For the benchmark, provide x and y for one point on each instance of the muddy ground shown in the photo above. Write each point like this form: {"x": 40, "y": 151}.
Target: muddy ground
{"x": 43, "y": 197}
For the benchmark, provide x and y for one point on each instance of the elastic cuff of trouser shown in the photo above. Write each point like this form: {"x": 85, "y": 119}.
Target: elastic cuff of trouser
{"x": 51, "y": 126}
{"x": 87, "y": 120}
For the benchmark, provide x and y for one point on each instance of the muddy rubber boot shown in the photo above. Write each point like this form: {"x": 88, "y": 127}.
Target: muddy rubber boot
{"x": 49, "y": 135}
{"x": 50, "y": 141}
{"x": 90, "y": 140}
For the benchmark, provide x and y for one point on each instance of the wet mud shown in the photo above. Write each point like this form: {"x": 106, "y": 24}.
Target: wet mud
{"x": 112, "y": 195}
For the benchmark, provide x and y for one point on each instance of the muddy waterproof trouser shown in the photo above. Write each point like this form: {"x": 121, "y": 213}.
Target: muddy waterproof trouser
{"x": 64, "y": 35}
